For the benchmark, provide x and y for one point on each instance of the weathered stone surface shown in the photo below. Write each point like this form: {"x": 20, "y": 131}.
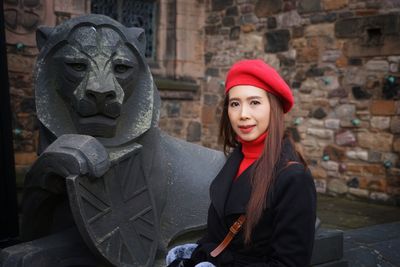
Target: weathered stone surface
{"x": 193, "y": 132}
{"x": 378, "y": 196}
{"x": 319, "y": 30}
{"x": 330, "y": 165}
{"x": 377, "y": 65}
{"x": 289, "y": 19}
{"x": 380, "y": 122}
{"x": 319, "y": 113}
{"x": 345, "y": 111}
{"x": 309, "y": 85}
{"x": 355, "y": 61}
{"x": 232, "y": 11}
{"x": 331, "y": 55}
{"x": 308, "y": 6}
{"x": 346, "y": 138}
{"x": 359, "y": 93}
{"x": 395, "y": 125}
{"x": 396, "y": 144}
{"x": 320, "y": 185}
{"x": 264, "y": 8}
{"x": 332, "y": 123}
{"x": 228, "y": 21}
{"x": 337, "y": 186}
{"x": 321, "y": 18}
{"x": 246, "y": 8}
{"x": 277, "y": 41}
{"x": 357, "y": 154}
{"x": 362, "y": 193}
{"x": 297, "y": 32}
{"x": 218, "y": 5}
{"x": 321, "y": 133}
{"x": 376, "y": 141}
{"x": 334, "y": 4}
{"x": 335, "y": 153}
{"x": 341, "y": 93}
{"x": 235, "y": 33}
{"x": 383, "y": 107}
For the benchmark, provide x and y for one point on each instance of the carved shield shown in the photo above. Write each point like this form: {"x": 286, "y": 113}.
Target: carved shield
{"x": 116, "y": 213}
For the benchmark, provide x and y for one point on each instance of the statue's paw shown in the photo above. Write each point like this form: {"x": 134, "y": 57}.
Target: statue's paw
{"x": 75, "y": 154}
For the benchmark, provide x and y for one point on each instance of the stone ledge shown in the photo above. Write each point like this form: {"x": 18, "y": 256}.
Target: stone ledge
{"x": 173, "y": 89}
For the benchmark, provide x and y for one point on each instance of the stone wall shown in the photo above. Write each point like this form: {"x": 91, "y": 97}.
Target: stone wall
{"x": 341, "y": 58}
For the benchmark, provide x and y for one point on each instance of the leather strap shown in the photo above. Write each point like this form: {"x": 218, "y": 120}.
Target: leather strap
{"x": 233, "y": 230}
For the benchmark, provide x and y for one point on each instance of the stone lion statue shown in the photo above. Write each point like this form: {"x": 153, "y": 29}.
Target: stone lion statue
{"x": 105, "y": 168}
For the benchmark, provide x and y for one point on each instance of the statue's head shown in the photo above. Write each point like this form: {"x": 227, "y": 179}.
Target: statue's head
{"x": 92, "y": 78}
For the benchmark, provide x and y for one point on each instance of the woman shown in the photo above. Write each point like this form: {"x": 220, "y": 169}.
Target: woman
{"x": 264, "y": 179}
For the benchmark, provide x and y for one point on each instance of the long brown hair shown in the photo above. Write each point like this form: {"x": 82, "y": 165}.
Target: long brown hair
{"x": 264, "y": 170}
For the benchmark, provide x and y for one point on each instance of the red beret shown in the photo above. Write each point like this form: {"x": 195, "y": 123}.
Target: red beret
{"x": 257, "y": 73}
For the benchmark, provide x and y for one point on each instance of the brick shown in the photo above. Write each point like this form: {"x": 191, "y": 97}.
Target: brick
{"x": 337, "y": 186}
{"x": 265, "y": 8}
{"x": 308, "y": 6}
{"x": 345, "y": 138}
{"x": 383, "y": 107}
{"x": 277, "y": 41}
{"x": 395, "y": 125}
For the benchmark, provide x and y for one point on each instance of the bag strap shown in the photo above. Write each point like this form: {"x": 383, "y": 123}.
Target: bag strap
{"x": 233, "y": 230}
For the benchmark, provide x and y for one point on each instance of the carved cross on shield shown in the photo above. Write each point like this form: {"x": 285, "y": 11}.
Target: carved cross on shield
{"x": 116, "y": 213}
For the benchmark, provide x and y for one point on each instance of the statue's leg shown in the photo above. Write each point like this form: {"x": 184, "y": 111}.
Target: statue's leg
{"x": 63, "y": 249}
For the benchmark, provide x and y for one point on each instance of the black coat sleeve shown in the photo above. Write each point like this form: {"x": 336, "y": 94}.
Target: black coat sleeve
{"x": 294, "y": 209}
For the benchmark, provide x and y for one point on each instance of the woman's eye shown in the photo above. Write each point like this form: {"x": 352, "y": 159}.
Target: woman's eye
{"x": 77, "y": 66}
{"x": 121, "y": 68}
{"x": 255, "y": 102}
{"x": 234, "y": 104}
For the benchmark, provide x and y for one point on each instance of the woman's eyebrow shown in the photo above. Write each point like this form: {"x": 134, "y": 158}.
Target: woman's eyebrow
{"x": 247, "y": 98}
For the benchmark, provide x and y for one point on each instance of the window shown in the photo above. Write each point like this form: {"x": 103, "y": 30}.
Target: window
{"x": 131, "y": 13}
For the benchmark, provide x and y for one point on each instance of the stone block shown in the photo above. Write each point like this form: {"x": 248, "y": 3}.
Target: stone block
{"x": 208, "y": 115}
{"x": 24, "y": 159}
{"x": 331, "y": 55}
{"x": 323, "y": 18}
{"x": 328, "y": 246}
{"x": 321, "y": 133}
{"x": 235, "y": 33}
{"x": 337, "y": 186}
{"x": 396, "y": 145}
{"x": 334, "y": 4}
{"x": 362, "y": 193}
{"x": 277, "y": 41}
{"x": 228, "y": 21}
{"x": 380, "y": 122}
{"x": 357, "y": 154}
{"x": 325, "y": 29}
{"x": 20, "y": 63}
{"x": 320, "y": 186}
{"x": 265, "y": 8}
{"x": 218, "y": 5}
{"x": 308, "y": 6}
{"x": 271, "y": 23}
{"x": 232, "y": 11}
{"x": 395, "y": 125}
{"x": 193, "y": 132}
{"x": 377, "y": 65}
{"x": 375, "y": 141}
{"x": 335, "y": 153}
{"x": 383, "y": 107}
{"x": 332, "y": 123}
{"x": 289, "y": 19}
{"x": 330, "y": 165}
{"x": 318, "y": 173}
{"x": 345, "y": 111}
{"x": 346, "y": 138}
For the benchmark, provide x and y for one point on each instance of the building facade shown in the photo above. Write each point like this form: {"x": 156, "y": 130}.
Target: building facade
{"x": 340, "y": 57}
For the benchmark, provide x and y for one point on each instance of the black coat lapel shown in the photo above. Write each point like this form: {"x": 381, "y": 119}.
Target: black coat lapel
{"x": 239, "y": 194}
{"x": 220, "y": 186}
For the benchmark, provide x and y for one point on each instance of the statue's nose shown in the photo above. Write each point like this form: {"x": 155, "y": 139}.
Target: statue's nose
{"x": 101, "y": 97}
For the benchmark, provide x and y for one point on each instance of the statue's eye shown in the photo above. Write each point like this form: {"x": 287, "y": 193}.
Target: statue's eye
{"x": 121, "y": 68}
{"x": 77, "y": 66}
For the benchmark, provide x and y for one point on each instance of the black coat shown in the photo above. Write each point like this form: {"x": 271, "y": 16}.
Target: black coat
{"x": 285, "y": 233}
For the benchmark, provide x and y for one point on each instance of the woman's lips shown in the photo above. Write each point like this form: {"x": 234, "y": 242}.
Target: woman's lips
{"x": 246, "y": 129}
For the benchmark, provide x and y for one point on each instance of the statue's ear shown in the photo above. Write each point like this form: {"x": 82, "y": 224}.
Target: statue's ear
{"x": 139, "y": 36}
{"x": 42, "y": 34}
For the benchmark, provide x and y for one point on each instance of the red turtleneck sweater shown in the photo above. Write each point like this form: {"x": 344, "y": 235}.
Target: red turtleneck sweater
{"x": 251, "y": 150}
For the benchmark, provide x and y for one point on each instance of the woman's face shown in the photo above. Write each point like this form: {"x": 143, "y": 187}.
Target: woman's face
{"x": 248, "y": 111}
